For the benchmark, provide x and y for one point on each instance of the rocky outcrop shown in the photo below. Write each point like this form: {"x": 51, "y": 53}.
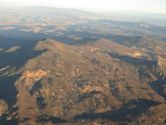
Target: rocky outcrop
{"x": 31, "y": 77}
{"x": 3, "y": 107}
{"x": 162, "y": 66}
{"x": 27, "y": 104}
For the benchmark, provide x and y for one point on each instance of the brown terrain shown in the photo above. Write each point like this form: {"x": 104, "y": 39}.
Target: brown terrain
{"x": 81, "y": 70}
{"x": 93, "y": 82}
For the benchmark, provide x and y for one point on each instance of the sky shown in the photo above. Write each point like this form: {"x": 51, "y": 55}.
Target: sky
{"x": 152, "y": 6}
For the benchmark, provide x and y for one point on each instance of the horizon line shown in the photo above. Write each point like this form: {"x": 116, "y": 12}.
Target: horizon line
{"x": 125, "y": 11}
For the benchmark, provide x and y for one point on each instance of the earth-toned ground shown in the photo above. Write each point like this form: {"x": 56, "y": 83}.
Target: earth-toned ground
{"x": 61, "y": 67}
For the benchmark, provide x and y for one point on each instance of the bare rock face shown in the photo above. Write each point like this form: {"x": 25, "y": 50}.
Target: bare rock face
{"x": 3, "y": 107}
{"x": 24, "y": 84}
{"x": 31, "y": 76}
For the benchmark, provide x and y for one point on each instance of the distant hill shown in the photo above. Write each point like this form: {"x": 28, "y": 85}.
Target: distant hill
{"x": 132, "y": 16}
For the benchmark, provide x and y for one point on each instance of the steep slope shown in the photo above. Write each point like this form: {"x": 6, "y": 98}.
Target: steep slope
{"x": 99, "y": 80}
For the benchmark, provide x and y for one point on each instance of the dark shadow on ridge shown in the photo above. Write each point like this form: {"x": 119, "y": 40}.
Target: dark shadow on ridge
{"x": 135, "y": 61}
{"x": 16, "y": 60}
{"x": 52, "y": 119}
{"x": 158, "y": 86}
{"x": 127, "y": 112}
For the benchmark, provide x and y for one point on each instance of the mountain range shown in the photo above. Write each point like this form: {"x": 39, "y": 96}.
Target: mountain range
{"x": 62, "y": 66}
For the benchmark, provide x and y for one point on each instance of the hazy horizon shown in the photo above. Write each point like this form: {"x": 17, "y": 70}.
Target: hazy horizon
{"x": 150, "y": 6}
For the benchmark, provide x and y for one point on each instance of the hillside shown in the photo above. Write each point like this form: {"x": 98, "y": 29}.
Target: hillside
{"x": 93, "y": 81}
{"x": 70, "y": 67}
